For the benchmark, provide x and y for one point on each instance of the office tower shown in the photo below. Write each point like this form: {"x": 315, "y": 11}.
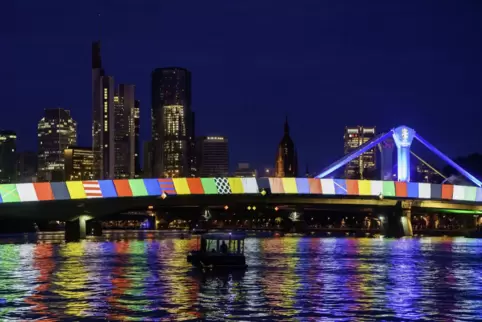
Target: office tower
{"x": 124, "y": 132}
{"x": 8, "y": 156}
{"x": 137, "y": 141}
{"x": 354, "y": 137}
{"x": 27, "y": 166}
{"x": 171, "y": 122}
{"x": 286, "y": 164}
{"x": 56, "y": 132}
{"x": 192, "y": 155}
{"x": 245, "y": 170}
{"x": 212, "y": 156}
{"x": 79, "y": 163}
{"x": 103, "y": 118}
{"x": 147, "y": 155}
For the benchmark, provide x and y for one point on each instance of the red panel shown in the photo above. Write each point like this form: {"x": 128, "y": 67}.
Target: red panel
{"x": 352, "y": 187}
{"x": 401, "y": 189}
{"x": 195, "y": 185}
{"x": 315, "y": 186}
{"x": 123, "y": 188}
{"x": 44, "y": 191}
{"x": 447, "y": 191}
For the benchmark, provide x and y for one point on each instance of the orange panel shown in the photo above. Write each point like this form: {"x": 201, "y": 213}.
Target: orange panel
{"x": 352, "y": 187}
{"x": 276, "y": 185}
{"x": 44, "y": 191}
{"x": 401, "y": 189}
{"x": 447, "y": 191}
{"x": 315, "y": 186}
{"x": 195, "y": 185}
{"x": 123, "y": 188}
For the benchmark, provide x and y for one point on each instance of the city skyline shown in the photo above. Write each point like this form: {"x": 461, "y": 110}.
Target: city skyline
{"x": 370, "y": 93}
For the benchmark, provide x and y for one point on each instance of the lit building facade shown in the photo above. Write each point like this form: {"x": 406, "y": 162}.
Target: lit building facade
{"x": 27, "y": 166}
{"x": 56, "y": 132}
{"x": 103, "y": 118}
{"x": 124, "y": 132}
{"x": 212, "y": 156}
{"x": 137, "y": 141}
{"x": 8, "y": 156}
{"x": 172, "y": 119}
{"x": 79, "y": 163}
{"x": 355, "y": 137}
{"x": 286, "y": 164}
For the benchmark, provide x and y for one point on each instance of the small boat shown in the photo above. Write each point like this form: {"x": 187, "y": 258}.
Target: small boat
{"x": 219, "y": 250}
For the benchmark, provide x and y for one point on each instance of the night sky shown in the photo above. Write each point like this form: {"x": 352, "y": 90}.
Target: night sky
{"x": 325, "y": 64}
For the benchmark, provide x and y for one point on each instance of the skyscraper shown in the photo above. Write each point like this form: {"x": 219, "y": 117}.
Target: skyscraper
{"x": 124, "y": 132}
{"x": 56, "y": 132}
{"x": 8, "y": 156}
{"x": 103, "y": 118}
{"x": 171, "y": 122}
{"x": 137, "y": 141}
{"x": 366, "y": 163}
{"x": 79, "y": 163}
{"x": 286, "y": 164}
{"x": 27, "y": 166}
{"x": 212, "y": 156}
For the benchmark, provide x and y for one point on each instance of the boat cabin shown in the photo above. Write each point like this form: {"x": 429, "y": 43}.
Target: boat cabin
{"x": 222, "y": 243}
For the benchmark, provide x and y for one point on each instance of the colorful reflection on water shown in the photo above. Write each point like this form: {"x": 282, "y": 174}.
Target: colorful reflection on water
{"x": 288, "y": 278}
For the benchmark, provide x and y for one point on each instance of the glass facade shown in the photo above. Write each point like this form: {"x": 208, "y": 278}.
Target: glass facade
{"x": 213, "y": 156}
{"x": 355, "y": 137}
{"x": 8, "y": 156}
{"x": 79, "y": 163}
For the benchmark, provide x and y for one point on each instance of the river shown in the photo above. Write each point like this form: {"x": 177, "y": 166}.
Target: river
{"x": 328, "y": 279}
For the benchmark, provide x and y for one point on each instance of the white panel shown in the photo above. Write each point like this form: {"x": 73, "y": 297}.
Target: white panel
{"x": 327, "y": 186}
{"x": 424, "y": 191}
{"x": 250, "y": 185}
{"x": 459, "y": 192}
{"x": 26, "y": 192}
{"x": 377, "y": 187}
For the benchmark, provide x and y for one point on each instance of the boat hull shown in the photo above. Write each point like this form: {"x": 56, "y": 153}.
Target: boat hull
{"x": 208, "y": 260}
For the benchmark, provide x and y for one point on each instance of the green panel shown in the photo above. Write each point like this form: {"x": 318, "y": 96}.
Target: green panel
{"x": 470, "y": 193}
{"x": 9, "y": 193}
{"x": 209, "y": 186}
{"x": 138, "y": 188}
{"x": 389, "y": 188}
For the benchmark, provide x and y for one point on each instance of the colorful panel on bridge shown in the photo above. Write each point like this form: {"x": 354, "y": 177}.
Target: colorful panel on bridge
{"x": 470, "y": 193}
{"x": 181, "y": 186}
{"x": 412, "y": 189}
{"x": 327, "y": 186}
{"x": 377, "y": 187}
{"x": 44, "y": 191}
{"x": 138, "y": 187}
{"x": 263, "y": 183}
{"x": 60, "y": 190}
{"x": 107, "y": 188}
{"x": 424, "y": 191}
{"x": 303, "y": 185}
{"x": 401, "y": 189}
{"x": 209, "y": 186}
{"x": 436, "y": 191}
{"x": 92, "y": 189}
{"x": 459, "y": 193}
{"x": 236, "y": 185}
{"x": 26, "y": 192}
{"x": 352, "y": 187}
{"x": 478, "y": 196}
{"x": 195, "y": 186}
{"x": 152, "y": 187}
{"x": 123, "y": 188}
{"x": 447, "y": 191}
{"x": 250, "y": 185}
{"x": 289, "y": 185}
{"x": 388, "y": 189}
{"x": 315, "y": 186}
{"x": 276, "y": 185}
{"x": 9, "y": 193}
{"x": 364, "y": 187}
{"x": 222, "y": 185}
{"x": 167, "y": 186}
{"x": 76, "y": 189}
{"x": 340, "y": 186}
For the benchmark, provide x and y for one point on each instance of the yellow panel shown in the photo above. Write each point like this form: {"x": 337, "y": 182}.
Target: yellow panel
{"x": 76, "y": 189}
{"x": 236, "y": 185}
{"x": 289, "y": 184}
{"x": 364, "y": 188}
{"x": 182, "y": 188}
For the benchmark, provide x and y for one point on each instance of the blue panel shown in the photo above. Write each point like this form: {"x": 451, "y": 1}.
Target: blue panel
{"x": 263, "y": 183}
{"x": 152, "y": 186}
{"x": 107, "y": 188}
{"x": 303, "y": 185}
{"x": 478, "y": 195}
{"x": 340, "y": 186}
{"x": 1, "y": 198}
{"x": 412, "y": 190}
{"x": 60, "y": 190}
{"x": 435, "y": 191}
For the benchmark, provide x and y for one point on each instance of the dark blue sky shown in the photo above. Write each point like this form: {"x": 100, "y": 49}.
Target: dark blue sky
{"x": 325, "y": 64}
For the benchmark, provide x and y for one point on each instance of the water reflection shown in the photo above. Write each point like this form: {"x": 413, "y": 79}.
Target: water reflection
{"x": 288, "y": 278}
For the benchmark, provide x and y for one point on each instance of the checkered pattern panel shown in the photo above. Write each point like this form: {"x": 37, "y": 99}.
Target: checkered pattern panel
{"x": 222, "y": 185}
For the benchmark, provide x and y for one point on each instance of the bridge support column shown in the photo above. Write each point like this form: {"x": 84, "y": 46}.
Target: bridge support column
{"x": 75, "y": 230}
{"x": 399, "y": 222}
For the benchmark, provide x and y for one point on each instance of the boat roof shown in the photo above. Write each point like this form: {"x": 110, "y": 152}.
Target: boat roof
{"x": 224, "y": 236}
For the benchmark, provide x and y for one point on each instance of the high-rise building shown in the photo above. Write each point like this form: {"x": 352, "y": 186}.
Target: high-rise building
{"x": 27, "y": 166}
{"x": 79, "y": 163}
{"x": 124, "y": 132}
{"x": 103, "y": 118}
{"x": 366, "y": 163}
{"x": 212, "y": 156}
{"x": 192, "y": 154}
{"x": 286, "y": 164}
{"x": 8, "y": 156}
{"x": 171, "y": 122}
{"x": 56, "y": 132}
{"x": 147, "y": 155}
{"x": 137, "y": 141}
{"x": 244, "y": 170}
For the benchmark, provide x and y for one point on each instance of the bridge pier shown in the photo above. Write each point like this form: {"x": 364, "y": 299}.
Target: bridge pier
{"x": 94, "y": 228}
{"x": 76, "y": 230}
{"x": 399, "y": 222}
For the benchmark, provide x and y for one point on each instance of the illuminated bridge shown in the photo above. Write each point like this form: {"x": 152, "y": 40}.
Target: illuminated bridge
{"x": 74, "y": 201}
